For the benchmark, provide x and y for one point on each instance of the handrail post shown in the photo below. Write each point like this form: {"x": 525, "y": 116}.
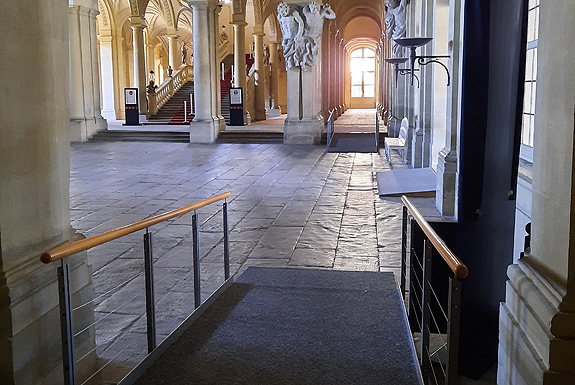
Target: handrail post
{"x": 377, "y": 131}
{"x": 196, "y": 249}
{"x": 453, "y": 330}
{"x": 66, "y": 324}
{"x": 150, "y": 301}
{"x": 226, "y": 242}
{"x": 426, "y": 310}
{"x": 403, "y": 252}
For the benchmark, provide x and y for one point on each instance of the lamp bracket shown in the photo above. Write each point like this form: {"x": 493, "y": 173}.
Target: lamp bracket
{"x": 425, "y": 60}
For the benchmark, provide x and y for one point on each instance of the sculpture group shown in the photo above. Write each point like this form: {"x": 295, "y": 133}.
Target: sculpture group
{"x": 301, "y": 26}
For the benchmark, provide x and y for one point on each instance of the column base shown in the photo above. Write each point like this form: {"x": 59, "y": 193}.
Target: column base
{"x": 529, "y": 353}
{"x": 274, "y": 112}
{"x": 143, "y": 118}
{"x": 446, "y": 184}
{"x": 417, "y": 149}
{"x": 302, "y": 131}
{"x": 83, "y": 129}
{"x": 109, "y": 115}
{"x": 204, "y": 131}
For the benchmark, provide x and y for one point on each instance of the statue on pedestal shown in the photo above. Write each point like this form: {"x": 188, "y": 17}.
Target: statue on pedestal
{"x": 301, "y": 34}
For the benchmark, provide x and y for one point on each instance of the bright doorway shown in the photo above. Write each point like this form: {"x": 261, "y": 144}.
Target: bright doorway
{"x": 362, "y": 66}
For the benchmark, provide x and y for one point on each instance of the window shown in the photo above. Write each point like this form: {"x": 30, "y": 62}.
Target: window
{"x": 528, "y": 123}
{"x": 362, "y": 65}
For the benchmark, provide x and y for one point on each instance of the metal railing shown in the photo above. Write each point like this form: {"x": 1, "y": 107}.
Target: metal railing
{"x": 330, "y": 128}
{"x": 433, "y": 301}
{"x": 67, "y": 310}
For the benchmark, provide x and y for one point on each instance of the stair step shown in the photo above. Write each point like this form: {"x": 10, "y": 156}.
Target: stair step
{"x": 141, "y": 136}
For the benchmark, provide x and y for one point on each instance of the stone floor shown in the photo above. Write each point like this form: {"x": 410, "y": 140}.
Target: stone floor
{"x": 291, "y": 206}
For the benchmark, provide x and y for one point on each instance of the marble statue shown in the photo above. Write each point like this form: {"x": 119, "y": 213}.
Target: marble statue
{"x": 184, "y": 54}
{"x": 292, "y": 27}
{"x": 396, "y": 22}
{"x": 301, "y": 28}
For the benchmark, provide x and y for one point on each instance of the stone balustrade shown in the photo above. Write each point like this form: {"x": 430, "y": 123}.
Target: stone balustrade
{"x": 161, "y": 95}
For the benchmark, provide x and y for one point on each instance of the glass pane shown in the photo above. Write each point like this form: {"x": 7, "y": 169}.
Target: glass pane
{"x": 531, "y": 130}
{"x": 529, "y": 75}
{"x": 527, "y": 98}
{"x": 357, "y": 53}
{"x": 356, "y": 92}
{"x": 536, "y": 10}
{"x": 535, "y": 64}
{"x": 532, "y": 25}
{"x": 525, "y": 129}
{"x": 369, "y": 78}
{"x": 356, "y": 78}
{"x": 356, "y": 64}
{"x": 369, "y": 91}
{"x": 369, "y": 53}
{"x": 369, "y": 64}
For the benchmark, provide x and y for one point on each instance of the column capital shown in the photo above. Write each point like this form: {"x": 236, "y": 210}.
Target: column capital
{"x": 258, "y": 30}
{"x": 238, "y": 18}
{"x": 203, "y": 5}
{"x": 137, "y": 22}
{"x": 239, "y": 24}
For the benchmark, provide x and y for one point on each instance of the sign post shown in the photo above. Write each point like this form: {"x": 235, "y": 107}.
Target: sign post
{"x": 237, "y": 107}
{"x": 131, "y": 107}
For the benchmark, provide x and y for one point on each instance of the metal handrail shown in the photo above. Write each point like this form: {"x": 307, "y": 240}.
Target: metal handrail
{"x": 65, "y": 284}
{"x": 454, "y": 263}
{"x": 75, "y": 247}
{"x": 330, "y": 128}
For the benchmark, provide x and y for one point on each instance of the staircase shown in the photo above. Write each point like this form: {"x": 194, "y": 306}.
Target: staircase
{"x": 141, "y": 136}
{"x": 173, "y": 111}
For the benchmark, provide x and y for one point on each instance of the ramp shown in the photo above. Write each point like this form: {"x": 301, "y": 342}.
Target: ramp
{"x": 296, "y": 326}
{"x": 411, "y": 182}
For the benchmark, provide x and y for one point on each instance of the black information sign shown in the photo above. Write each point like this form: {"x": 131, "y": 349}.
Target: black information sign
{"x": 237, "y": 107}
{"x": 131, "y": 105}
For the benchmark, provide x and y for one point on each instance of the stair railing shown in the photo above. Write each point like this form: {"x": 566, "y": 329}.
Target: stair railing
{"x": 168, "y": 88}
{"x": 433, "y": 304}
{"x": 67, "y": 310}
{"x": 330, "y": 128}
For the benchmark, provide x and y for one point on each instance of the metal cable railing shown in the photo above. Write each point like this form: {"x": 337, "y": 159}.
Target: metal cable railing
{"x": 433, "y": 312}
{"x": 111, "y": 350}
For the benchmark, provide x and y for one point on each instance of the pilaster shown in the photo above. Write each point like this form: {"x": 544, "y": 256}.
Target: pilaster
{"x": 34, "y": 205}
{"x": 206, "y": 124}
{"x": 447, "y": 176}
{"x": 85, "y": 110}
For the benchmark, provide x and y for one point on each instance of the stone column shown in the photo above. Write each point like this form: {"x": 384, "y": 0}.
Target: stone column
{"x": 174, "y": 59}
{"x": 239, "y": 24}
{"x": 34, "y": 197}
{"x": 260, "y": 88}
{"x": 445, "y": 197}
{"x": 214, "y": 25}
{"x": 205, "y": 126}
{"x": 275, "y": 109}
{"x": 85, "y": 111}
{"x": 107, "y": 68}
{"x": 138, "y": 24}
{"x": 537, "y": 319}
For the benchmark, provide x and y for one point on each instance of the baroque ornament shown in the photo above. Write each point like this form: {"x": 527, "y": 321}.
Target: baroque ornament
{"x": 301, "y": 26}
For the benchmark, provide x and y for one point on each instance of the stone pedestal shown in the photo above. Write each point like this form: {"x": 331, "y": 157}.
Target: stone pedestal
{"x": 304, "y": 123}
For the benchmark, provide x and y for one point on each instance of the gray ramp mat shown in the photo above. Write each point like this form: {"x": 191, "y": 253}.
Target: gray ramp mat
{"x": 296, "y": 326}
{"x": 412, "y": 181}
{"x": 353, "y": 142}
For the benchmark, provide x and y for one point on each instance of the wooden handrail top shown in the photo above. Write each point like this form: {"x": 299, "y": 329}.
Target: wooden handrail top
{"x": 458, "y": 267}
{"x": 68, "y": 249}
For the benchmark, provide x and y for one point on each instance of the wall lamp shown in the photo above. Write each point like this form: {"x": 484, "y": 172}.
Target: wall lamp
{"x": 412, "y": 43}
